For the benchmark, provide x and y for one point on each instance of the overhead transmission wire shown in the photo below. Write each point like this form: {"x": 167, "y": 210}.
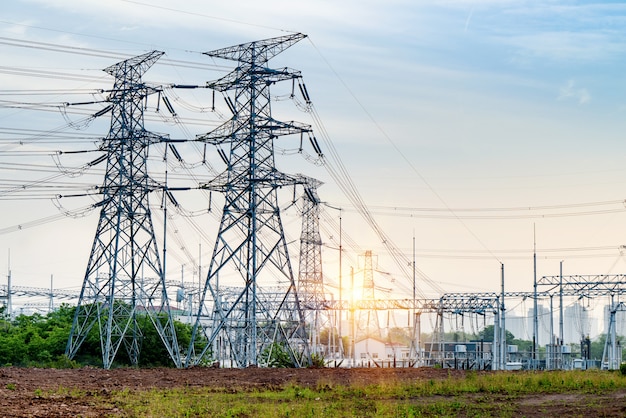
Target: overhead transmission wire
{"x": 457, "y": 216}
{"x": 403, "y": 156}
{"x": 340, "y": 175}
{"x": 67, "y": 49}
{"x": 196, "y": 14}
{"x": 55, "y": 75}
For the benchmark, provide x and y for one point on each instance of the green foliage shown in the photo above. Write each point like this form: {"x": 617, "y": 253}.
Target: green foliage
{"x": 40, "y": 340}
{"x": 277, "y": 355}
{"x": 35, "y": 339}
{"x": 399, "y": 335}
{"x": 317, "y": 361}
{"x": 486, "y": 334}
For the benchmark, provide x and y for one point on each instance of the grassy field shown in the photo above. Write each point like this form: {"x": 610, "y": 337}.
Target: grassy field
{"x": 502, "y": 394}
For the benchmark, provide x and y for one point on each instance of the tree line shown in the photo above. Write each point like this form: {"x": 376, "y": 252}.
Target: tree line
{"x": 40, "y": 340}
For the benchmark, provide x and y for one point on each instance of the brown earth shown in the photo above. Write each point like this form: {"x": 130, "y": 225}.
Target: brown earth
{"x": 25, "y": 392}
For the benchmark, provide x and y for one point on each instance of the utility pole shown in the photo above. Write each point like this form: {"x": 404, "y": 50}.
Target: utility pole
{"x": 535, "y": 313}
{"x": 561, "y": 301}
{"x": 251, "y": 249}
{"x": 125, "y": 277}
{"x": 9, "y": 290}
{"x": 503, "y": 347}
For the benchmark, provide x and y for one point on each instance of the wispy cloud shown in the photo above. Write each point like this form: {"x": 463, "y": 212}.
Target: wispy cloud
{"x": 572, "y": 92}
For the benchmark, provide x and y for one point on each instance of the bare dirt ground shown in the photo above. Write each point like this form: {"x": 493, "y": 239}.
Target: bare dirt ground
{"x": 23, "y": 391}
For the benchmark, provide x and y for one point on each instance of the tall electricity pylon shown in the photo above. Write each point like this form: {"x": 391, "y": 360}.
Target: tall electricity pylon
{"x": 250, "y": 251}
{"x": 125, "y": 281}
{"x": 310, "y": 277}
{"x": 368, "y": 323}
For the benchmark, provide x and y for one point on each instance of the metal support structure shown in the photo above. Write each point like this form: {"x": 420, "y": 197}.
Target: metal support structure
{"x": 5, "y": 293}
{"x": 503, "y": 343}
{"x": 535, "y": 313}
{"x": 368, "y": 324}
{"x": 124, "y": 280}
{"x": 310, "y": 277}
{"x": 250, "y": 250}
{"x": 612, "y": 353}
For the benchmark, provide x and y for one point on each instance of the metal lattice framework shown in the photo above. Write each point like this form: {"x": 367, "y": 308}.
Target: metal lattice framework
{"x": 585, "y": 285}
{"x": 124, "y": 278}
{"x": 250, "y": 250}
{"x": 310, "y": 277}
{"x": 368, "y": 324}
{"x": 310, "y": 274}
{"x": 612, "y": 353}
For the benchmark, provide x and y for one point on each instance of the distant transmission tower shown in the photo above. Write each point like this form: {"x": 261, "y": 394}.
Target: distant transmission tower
{"x": 124, "y": 280}
{"x": 263, "y": 313}
{"x": 310, "y": 277}
{"x": 368, "y": 323}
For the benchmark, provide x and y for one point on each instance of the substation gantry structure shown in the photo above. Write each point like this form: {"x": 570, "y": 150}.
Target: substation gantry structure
{"x": 481, "y": 304}
{"x": 250, "y": 251}
{"x": 8, "y": 293}
{"x": 124, "y": 281}
{"x": 590, "y": 286}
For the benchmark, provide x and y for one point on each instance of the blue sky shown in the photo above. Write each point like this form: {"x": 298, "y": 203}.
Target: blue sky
{"x": 439, "y": 105}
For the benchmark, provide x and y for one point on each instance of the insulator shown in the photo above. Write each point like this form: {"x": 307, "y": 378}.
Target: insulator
{"x": 213, "y": 102}
{"x": 223, "y": 155}
{"x": 230, "y": 104}
{"x": 306, "y": 93}
{"x": 170, "y": 196}
{"x": 98, "y": 160}
{"x": 204, "y": 154}
{"x": 310, "y": 195}
{"x": 169, "y": 105}
{"x": 184, "y": 86}
{"x": 316, "y": 146}
{"x": 103, "y": 111}
{"x": 302, "y": 90}
{"x": 175, "y": 152}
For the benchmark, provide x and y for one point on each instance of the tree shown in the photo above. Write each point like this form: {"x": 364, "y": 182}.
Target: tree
{"x": 399, "y": 335}
{"x": 40, "y": 340}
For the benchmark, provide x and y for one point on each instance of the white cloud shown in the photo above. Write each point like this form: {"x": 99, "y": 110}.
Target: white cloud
{"x": 572, "y": 92}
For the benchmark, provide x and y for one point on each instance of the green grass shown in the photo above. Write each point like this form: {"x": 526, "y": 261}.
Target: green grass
{"x": 476, "y": 394}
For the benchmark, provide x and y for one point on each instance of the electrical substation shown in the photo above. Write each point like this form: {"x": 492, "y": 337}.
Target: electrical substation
{"x": 258, "y": 295}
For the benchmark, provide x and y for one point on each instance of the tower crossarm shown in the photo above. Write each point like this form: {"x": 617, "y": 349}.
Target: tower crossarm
{"x": 260, "y": 51}
{"x": 223, "y": 181}
{"x": 239, "y": 77}
{"x": 230, "y": 130}
{"x": 137, "y": 65}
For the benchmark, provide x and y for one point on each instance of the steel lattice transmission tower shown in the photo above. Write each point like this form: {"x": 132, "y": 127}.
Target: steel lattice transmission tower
{"x": 368, "y": 323}
{"x": 124, "y": 281}
{"x": 250, "y": 250}
{"x": 310, "y": 277}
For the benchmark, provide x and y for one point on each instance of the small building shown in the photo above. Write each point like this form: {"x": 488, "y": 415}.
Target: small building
{"x": 369, "y": 348}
